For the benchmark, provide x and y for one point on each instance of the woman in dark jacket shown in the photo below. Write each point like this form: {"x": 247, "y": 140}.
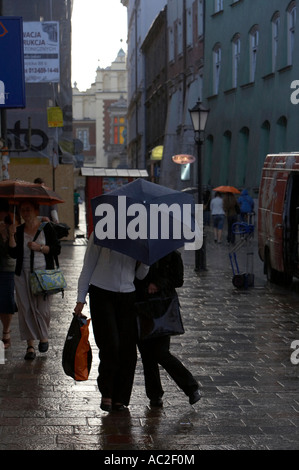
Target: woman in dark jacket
{"x": 163, "y": 277}
{"x": 33, "y": 311}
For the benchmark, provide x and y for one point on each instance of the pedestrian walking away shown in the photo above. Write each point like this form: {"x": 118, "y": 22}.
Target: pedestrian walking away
{"x": 230, "y": 207}
{"x": 163, "y": 277}
{"x": 108, "y": 277}
{"x": 246, "y": 205}
{"x": 33, "y": 310}
{"x": 218, "y": 216}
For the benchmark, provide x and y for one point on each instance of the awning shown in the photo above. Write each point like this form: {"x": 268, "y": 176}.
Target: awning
{"x": 114, "y": 172}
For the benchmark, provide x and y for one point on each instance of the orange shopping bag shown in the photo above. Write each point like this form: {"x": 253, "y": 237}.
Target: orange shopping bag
{"x": 77, "y": 354}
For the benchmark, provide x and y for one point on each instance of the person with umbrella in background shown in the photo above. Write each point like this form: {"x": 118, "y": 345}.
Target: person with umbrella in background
{"x": 108, "y": 277}
{"x": 230, "y": 207}
{"x": 33, "y": 311}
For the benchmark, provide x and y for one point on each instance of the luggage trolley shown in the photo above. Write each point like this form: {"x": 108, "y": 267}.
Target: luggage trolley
{"x": 246, "y": 231}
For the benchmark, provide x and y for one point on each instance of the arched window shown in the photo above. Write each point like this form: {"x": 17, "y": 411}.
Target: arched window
{"x": 263, "y": 144}
{"x": 225, "y": 157}
{"x": 236, "y": 50}
{"x": 275, "y": 35}
{"x": 281, "y": 134}
{"x": 216, "y": 68}
{"x": 291, "y": 11}
{"x": 242, "y": 156}
{"x": 253, "y": 49}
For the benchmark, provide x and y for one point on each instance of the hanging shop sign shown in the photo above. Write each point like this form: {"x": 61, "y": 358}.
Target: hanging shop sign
{"x": 55, "y": 117}
{"x": 12, "y": 82}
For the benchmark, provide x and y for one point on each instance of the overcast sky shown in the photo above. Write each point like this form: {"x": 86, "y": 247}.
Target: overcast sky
{"x": 98, "y": 26}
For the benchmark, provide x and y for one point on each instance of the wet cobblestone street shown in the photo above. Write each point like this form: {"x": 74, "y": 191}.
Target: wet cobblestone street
{"x": 237, "y": 344}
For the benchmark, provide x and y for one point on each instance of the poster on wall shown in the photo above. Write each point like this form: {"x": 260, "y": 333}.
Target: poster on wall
{"x": 41, "y": 51}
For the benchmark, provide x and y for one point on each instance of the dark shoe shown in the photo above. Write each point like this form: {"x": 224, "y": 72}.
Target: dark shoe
{"x": 106, "y": 406}
{"x": 194, "y": 397}
{"x": 157, "y": 402}
{"x": 43, "y": 346}
{"x": 30, "y": 355}
{"x": 118, "y": 407}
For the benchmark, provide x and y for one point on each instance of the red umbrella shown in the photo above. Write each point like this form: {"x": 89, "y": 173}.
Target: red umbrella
{"x": 17, "y": 190}
{"x": 227, "y": 189}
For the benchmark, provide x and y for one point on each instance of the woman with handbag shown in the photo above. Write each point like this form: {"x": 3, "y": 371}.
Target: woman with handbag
{"x": 163, "y": 277}
{"x": 33, "y": 310}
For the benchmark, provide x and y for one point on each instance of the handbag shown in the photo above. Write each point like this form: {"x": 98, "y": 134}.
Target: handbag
{"x": 159, "y": 316}
{"x": 77, "y": 353}
{"x": 46, "y": 281}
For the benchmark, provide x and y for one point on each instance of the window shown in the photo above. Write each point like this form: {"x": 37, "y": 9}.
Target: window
{"x": 179, "y": 37}
{"x": 236, "y": 44}
{"x": 83, "y": 135}
{"x": 275, "y": 35}
{"x": 200, "y": 18}
{"x": 217, "y": 67}
{"x": 189, "y": 24}
{"x": 253, "y": 48}
{"x": 291, "y": 30}
{"x": 118, "y": 130}
{"x": 218, "y": 5}
{"x": 171, "y": 44}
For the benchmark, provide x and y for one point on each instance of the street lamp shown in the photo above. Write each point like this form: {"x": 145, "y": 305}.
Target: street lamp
{"x": 199, "y": 116}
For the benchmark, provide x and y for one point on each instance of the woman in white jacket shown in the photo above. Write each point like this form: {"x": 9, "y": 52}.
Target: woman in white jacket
{"x": 108, "y": 277}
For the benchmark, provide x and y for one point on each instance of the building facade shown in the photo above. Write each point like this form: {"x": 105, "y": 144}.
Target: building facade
{"x": 185, "y": 65}
{"x": 165, "y": 84}
{"x": 251, "y": 69}
{"x": 141, "y": 14}
{"x": 99, "y": 116}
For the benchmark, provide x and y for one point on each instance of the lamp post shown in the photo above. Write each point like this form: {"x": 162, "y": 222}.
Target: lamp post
{"x": 199, "y": 116}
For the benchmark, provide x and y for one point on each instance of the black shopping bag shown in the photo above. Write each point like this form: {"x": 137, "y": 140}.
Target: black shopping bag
{"x": 159, "y": 316}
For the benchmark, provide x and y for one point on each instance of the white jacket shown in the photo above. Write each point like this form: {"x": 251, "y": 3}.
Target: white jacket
{"x": 108, "y": 270}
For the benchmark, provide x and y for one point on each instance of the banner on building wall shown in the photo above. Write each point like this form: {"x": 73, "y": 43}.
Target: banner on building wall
{"x": 41, "y": 51}
{"x": 12, "y": 83}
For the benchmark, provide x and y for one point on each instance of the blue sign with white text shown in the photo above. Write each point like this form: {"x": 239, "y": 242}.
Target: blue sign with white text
{"x": 12, "y": 78}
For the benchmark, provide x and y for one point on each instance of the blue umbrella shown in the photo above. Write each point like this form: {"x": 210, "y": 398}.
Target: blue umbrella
{"x": 143, "y": 220}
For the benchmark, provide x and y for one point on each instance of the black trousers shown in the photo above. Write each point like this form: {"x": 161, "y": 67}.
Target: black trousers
{"x": 115, "y": 333}
{"x": 156, "y": 351}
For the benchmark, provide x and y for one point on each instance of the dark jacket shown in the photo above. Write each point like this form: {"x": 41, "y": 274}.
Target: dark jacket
{"x": 167, "y": 273}
{"x": 51, "y": 241}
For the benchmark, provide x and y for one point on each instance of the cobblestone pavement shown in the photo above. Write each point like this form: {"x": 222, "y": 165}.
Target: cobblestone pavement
{"x": 237, "y": 344}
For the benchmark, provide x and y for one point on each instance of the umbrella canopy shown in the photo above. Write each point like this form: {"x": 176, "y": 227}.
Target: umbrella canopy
{"x": 147, "y": 223}
{"x": 17, "y": 190}
{"x": 227, "y": 189}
